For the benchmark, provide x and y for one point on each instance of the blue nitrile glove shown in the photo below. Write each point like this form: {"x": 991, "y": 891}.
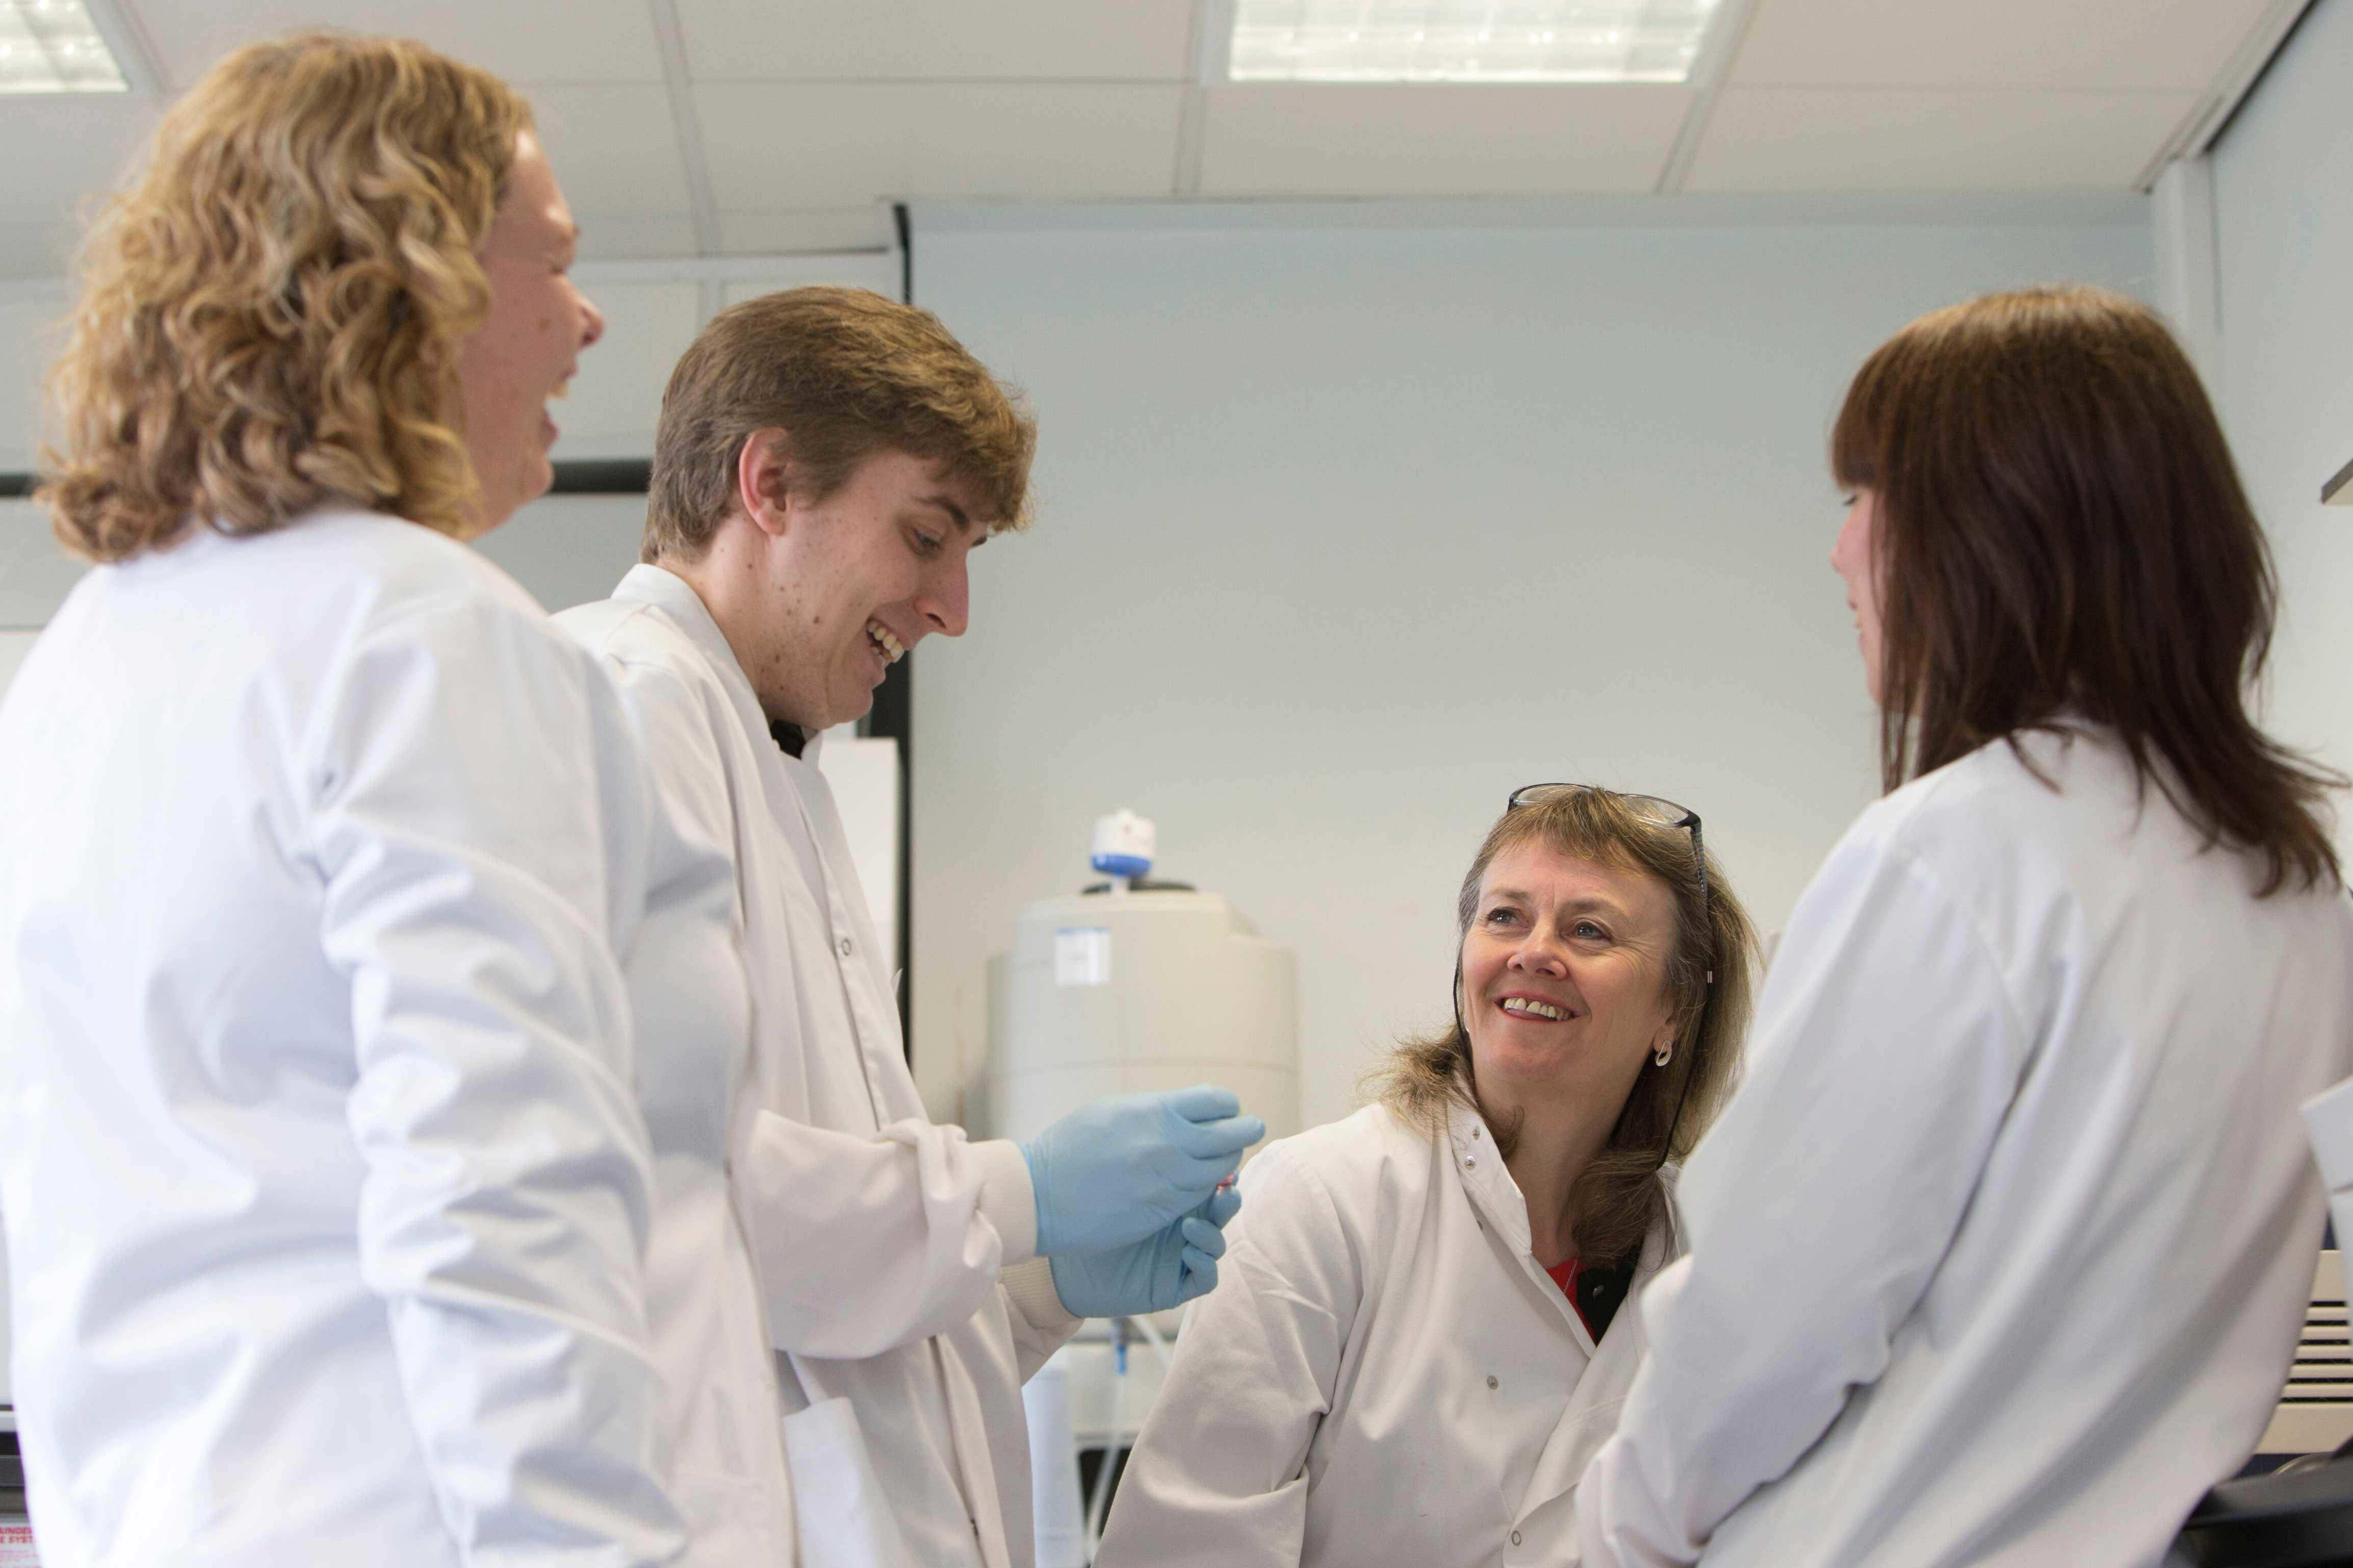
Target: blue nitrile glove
{"x": 1130, "y": 1166}
{"x": 1162, "y": 1270}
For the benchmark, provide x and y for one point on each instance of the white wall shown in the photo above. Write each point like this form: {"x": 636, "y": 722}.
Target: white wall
{"x": 1345, "y": 531}
{"x": 2284, "y": 218}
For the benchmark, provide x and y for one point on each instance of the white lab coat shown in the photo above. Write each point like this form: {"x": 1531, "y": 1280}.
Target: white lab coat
{"x": 2000, "y": 1253}
{"x": 1383, "y": 1375}
{"x": 693, "y": 1004}
{"x": 895, "y": 1258}
{"x": 326, "y": 1187}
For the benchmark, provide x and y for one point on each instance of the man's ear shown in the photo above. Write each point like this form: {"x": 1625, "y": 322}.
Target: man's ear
{"x": 763, "y": 490}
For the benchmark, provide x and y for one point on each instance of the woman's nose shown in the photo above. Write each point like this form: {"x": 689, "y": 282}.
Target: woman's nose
{"x": 592, "y": 322}
{"x": 1537, "y": 956}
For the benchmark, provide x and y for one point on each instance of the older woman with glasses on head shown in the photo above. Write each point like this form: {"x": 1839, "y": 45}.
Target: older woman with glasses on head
{"x": 1417, "y": 1344}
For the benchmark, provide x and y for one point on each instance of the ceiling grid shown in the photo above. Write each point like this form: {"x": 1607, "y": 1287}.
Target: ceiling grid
{"x": 686, "y": 128}
{"x": 703, "y": 205}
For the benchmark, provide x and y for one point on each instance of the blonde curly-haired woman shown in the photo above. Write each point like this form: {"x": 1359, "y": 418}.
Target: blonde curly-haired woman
{"x": 327, "y": 1181}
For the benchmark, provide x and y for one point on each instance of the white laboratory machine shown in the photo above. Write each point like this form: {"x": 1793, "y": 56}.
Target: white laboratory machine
{"x": 1137, "y": 985}
{"x": 1133, "y": 984}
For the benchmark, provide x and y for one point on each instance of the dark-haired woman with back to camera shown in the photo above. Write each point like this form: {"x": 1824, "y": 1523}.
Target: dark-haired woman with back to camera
{"x": 2000, "y": 1253}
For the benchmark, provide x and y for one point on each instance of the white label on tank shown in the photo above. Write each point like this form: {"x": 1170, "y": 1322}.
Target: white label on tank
{"x": 17, "y": 1544}
{"x": 1082, "y": 955}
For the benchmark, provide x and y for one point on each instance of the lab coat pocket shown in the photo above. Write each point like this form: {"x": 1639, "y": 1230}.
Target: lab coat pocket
{"x": 844, "y": 1521}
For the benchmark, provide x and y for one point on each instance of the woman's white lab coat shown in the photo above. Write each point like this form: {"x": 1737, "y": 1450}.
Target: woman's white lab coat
{"x": 693, "y": 1004}
{"x": 1383, "y": 1375}
{"x": 2000, "y": 1253}
{"x": 895, "y": 1258}
{"x": 326, "y": 1188}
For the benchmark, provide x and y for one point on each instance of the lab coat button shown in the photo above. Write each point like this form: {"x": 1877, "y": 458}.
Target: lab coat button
{"x": 1493, "y": 1383}
{"x": 1516, "y": 1538}
{"x": 1470, "y": 1161}
{"x": 845, "y": 947}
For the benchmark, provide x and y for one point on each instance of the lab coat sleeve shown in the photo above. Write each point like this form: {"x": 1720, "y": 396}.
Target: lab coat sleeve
{"x": 868, "y": 1243}
{"x": 1042, "y": 1324}
{"x": 471, "y": 796}
{"x": 1887, "y": 1052}
{"x": 1218, "y": 1477}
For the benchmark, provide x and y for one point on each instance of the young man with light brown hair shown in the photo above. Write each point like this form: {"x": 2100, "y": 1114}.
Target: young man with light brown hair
{"x": 827, "y": 460}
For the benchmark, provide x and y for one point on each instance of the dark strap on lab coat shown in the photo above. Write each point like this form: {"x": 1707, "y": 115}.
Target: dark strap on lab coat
{"x": 1600, "y": 1293}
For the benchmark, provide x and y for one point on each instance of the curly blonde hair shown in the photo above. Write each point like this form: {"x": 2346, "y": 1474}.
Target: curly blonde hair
{"x": 268, "y": 314}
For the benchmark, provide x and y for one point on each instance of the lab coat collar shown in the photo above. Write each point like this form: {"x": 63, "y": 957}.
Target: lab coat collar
{"x": 1492, "y": 1192}
{"x": 673, "y": 595}
{"x": 1591, "y": 1413}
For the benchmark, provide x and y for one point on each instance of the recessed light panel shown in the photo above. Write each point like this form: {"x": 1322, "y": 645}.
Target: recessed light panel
{"x": 1466, "y": 40}
{"x": 52, "y": 46}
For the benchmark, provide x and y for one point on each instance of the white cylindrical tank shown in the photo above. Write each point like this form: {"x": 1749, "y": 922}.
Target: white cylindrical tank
{"x": 1056, "y": 1514}
{"x": 1115, "y": 991}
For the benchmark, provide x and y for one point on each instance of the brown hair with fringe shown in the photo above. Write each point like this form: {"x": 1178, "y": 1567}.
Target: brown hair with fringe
{"x": 846, "y": 373}
{"x": 268, "y": 314}
{"x": 2063, "y": 542}
{"x": 1618, "y": 1198}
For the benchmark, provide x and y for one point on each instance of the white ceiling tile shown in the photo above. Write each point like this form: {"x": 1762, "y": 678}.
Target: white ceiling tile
{"x": 34, "y": 249}
{"x": 741, "y": 40}
{"x": 615, "y": 148}
{"x": 1326, "y": 140}
{"x": 86, "y": 141}
{"x": 525, "y": 41}
{"x": 2110, "y": 45}
{"x": 866, "y": 227}
{"x": 828, "y": 144}
{"x": 1794, "y": 139}
{"x": 87, "y": 144}
{"x": 614, "y": 237}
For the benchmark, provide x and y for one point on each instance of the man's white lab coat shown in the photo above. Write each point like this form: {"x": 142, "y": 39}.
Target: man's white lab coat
{"x": 1383, "y": 1375}
{"x": 326, "y": 1186}
{"x": 2000, "y": 1253}
{"x": 879, "y": 1238}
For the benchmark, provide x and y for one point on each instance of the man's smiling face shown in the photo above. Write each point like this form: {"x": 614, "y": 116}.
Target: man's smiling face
{"x": 857, "y": 579}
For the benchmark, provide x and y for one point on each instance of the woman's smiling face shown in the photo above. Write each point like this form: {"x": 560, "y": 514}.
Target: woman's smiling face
{"x": 1564, "y": 976}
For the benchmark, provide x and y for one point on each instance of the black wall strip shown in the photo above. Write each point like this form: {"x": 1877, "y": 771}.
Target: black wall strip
{"x": 602, "y": 477}
{"x": 591, "y": 477}
{"x": 893, "y": 716}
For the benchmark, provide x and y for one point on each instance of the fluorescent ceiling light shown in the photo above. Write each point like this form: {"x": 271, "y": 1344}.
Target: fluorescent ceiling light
{"x": 1466, "y": 40}
{"x": 52, "y": 46}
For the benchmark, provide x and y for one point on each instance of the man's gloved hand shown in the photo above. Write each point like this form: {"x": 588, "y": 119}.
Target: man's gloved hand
{"x": 1161, "y": 1271}
{"x": 1131, "y": 1166}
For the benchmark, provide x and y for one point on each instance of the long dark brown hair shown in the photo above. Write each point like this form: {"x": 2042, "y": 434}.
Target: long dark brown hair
{"x": 2062, "y": 542}
{"x": 1616, "y": 1200}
